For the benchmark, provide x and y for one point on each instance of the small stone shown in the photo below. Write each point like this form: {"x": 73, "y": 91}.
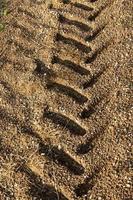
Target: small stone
{"x": 99, "y": 198}
{"x": 128, "y": 185}
{"x": 59, "y": 147}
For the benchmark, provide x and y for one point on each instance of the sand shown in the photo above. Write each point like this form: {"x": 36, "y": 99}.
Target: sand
{"x": 65, "y": 100}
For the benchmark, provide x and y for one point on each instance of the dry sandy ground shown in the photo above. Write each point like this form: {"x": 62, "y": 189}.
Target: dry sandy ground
{"x": 65, "y": 100}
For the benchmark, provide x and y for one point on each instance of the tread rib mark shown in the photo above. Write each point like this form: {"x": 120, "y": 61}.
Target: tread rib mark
{"x": 66, "y": 122}
{"x": 79, "y": 25}
{"x": 92, "y": 1}
{"x": 8, "y": 88}
{"x": 71, "y": 41}
{"x": 8, "y": 116}
{"x": 24, "y": 31}
{"x": 69, "y": 64}
{"x": 86, "y": 113}
{"x": 67, "y": 91}
{"x": 93, "y": 80}
{"x": 82, "y": 6}
{"x": 21, "y": 48}
{"x": 93, "y": 36}
{"x": 84, "y": 188}
{"x": 28, "y": 130}
{"x": 86, "y": 147}
{"x": 38, "y": 189}
{"x": 61, "y": 157}
{"x": 94, "y": 15}
{"x": 41, "y": 69}
{"x": 26, "y": 12}
{"x": 66, "y": 1}
{"x": 93, "y": 57}
{"x": 56, "y": 154}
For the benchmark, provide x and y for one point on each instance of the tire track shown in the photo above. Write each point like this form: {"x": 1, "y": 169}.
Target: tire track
{"x": 61, "y": 40}
{"x": 38, "y": 189}
{"x": 77, "y": 161}
{"x": 59, "y": 156}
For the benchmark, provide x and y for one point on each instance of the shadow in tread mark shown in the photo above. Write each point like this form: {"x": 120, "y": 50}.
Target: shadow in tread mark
{"x": 7, "y": 193}
{"x": 5, "y": 151}
{"x": 67, "y": 91}
{"x": 66, "y": 1}
{"x": 28, "y": 130}
{"x": 38, "y": 189}
{"x": 66, "y": 122}
{"x": 24, "y": 31}
{"x": 71, "y": 65}
{"x": 78, "y": 5}
{"x": 9, "y": 90}
{"x": 41, "y": 69}
{"x": 55, "y": 154}
{"x": 97, "y": 13}
{"x": 85, "y": 148}
{"x": 21, "y": 48}
{"x": 93, "y": 36}
{"x": 40, "y": 2}
{"x": 86, "y": 113}
{"x": 26, "y": 12}
{"x": 84, "y": 188}
{"x": 8, "y": 117}
{"x": 92, "y": 1}
{"x": 84, "y": 7}
{"x": 79, "y": 25}
{"x": 93, "y": 57}
{"x": 89, "y": 144}
{"x": 62, "y": 158}
{"x": 71, "y": 41}
{"x": 93, "y": 80}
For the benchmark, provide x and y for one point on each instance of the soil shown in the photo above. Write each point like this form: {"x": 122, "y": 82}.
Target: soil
{"x": 65, "y": 100}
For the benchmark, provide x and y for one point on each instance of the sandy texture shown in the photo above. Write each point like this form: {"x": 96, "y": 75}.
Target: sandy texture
{"x": 65, "y": 100}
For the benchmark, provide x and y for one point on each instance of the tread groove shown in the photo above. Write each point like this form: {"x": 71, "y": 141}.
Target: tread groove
{"x": 93, "y": 80}
{"x": 85, "y": 148}
{"x": 55, "y": 154}
{"x": 84, "y": 7}
{"x": 86, "y": 113}
{"x": 78, "y": 24}
{"x": 71, "y": 65}
{"x": 93, "y": 36}
{"x": 24, "y": 31}
{"x": 65, "y": 122}
{"x": 67, "y": 91}
{"x": 70, "y": 41}
{"x": 41, "y": 69}
{"x": 93, "y": 16}
{"x": 88, "y": 146}
{"x": 94, "y": 56}
{"x": 62, "y": 158}
{"x": 83, "y": 188}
